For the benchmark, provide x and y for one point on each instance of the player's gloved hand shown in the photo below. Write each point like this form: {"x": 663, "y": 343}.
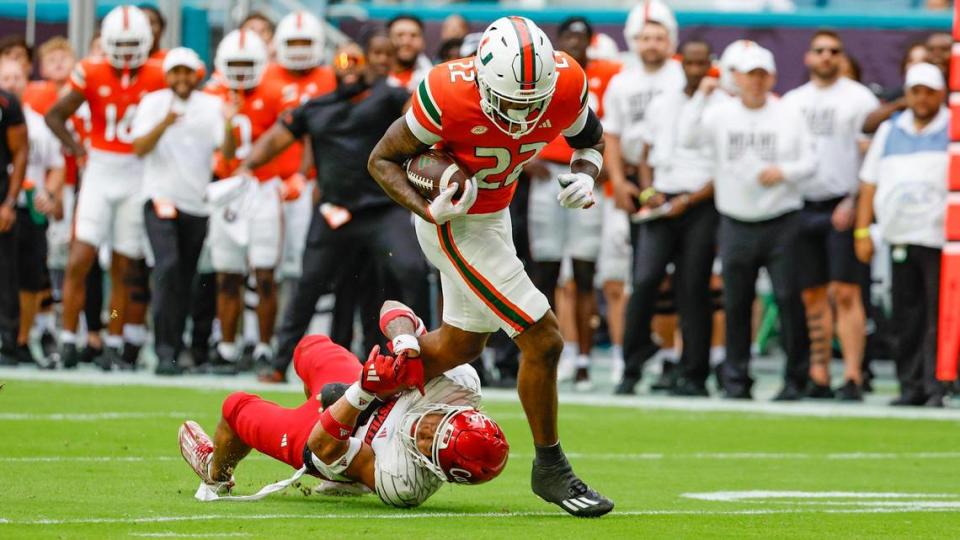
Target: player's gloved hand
{"x": 379, "y": 375}
{"x": 410, "y": 369}
{"x": 443, "y": 208}
{"x": 577, "y": 190}
{"x": 292, "y": 186}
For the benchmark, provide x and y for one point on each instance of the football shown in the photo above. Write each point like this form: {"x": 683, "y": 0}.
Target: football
{"x": 432, "y": 171}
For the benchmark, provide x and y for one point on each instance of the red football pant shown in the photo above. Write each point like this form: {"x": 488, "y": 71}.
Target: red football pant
{"x": 282, "y": 432}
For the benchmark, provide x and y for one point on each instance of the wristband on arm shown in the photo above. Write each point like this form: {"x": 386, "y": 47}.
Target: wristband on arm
{"x": 861, "y": 233}
{"x": 335, "y": 428}
{"x": 358, "y": 398}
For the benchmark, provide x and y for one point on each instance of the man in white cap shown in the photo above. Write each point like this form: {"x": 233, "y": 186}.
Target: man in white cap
{"x": 651, "y": 34}
{"x": 902, "y": 183}
{"x": 176, "y": 131}
{"x": 762, "y": 154}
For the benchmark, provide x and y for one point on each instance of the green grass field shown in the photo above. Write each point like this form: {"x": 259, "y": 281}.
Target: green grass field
{"x": 102, "y": 461}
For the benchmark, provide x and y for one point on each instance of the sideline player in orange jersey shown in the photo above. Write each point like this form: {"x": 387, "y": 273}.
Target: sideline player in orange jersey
{"x": 246, "y": 230}
{"x": 157, "y": 25}
{"x": 494, "y": 112}
{"x": 109, "y": 209}
{"x": 295, "y": 77}
{"x": 556, "y": 233}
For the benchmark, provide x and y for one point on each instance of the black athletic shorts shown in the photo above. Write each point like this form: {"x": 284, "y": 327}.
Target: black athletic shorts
{"x": 825, "y": 254}
{"x": 32, "y": 273}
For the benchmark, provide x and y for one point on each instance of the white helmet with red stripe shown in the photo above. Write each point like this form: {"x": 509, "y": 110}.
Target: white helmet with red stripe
{"x": 516, "y": 74}
{"x": 241, "y": 59}
{"x": 299, "y": 41}
{"x": 126, "y": 37}
{"x": 649, "y": 11}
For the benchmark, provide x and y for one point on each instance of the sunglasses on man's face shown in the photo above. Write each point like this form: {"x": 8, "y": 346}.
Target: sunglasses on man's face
{"x": 832, "y": 50}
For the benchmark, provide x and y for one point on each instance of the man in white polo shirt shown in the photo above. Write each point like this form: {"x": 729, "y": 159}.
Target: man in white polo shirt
{"x": 835, "y": 108}
{"x": 762, "y": 154}
{"x": 651, "y": 33}
{"x": 903, "y": 183}
{"x": 176, "y": 130}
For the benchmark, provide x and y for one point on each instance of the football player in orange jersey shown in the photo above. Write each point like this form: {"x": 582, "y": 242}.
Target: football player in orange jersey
{"x": 295, "y": 77}
{"x": 556, "y": 233}
{"x": 109, "y": 207}
{"x": 245, "y": 231}
{"x": 493, "y": 113}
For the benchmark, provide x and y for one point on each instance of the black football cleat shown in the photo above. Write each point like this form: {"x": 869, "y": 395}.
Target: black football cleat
{"x": 110, "y": 359}
{"x": 849, "y": 392}
{"x": 789, "y": 392}
{"x": 558, "y": 484}
{"x": 820, "y": 391}
{"x": 167, "y": 366}
{"x": 69, "y": 356}
{"x": 222, "y": 366}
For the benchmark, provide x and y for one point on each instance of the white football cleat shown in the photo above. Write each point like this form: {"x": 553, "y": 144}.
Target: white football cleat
{"x": 197, "y": 450}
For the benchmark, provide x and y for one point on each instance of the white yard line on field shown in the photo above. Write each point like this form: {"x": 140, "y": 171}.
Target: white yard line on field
{"x": 190, "y": 535}
{"x": 745, "y": 456}
{"x": 89, "y": 417}
{"x": 462, "y": 515}
{"x": 648, "y": 402}
{"x": 729, "y": 496}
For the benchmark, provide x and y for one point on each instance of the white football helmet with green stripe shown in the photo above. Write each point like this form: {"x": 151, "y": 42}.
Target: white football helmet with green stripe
{"x": 516, "y": 74}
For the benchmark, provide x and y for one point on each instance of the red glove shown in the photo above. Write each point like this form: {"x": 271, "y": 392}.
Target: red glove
{"x": 410, "y": 372}
{"x": 379, "y": 375}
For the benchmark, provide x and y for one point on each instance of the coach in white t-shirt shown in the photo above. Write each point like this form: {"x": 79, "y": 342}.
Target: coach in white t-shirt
{"x": 904, "y": 185}
{"x": 679, "y": 179}
{"x": 651, "y": 34}
{"x": 763, "y": 155}
{"x": 176, "y": 131}
{"x": 835, "y": 108}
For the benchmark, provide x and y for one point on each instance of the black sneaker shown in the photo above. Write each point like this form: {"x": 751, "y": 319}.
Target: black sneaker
{"x": 25, "y": 356}
{"x": 247, "y": 361}
{"x": 817, "y": 391}
{"x": 129, "y": 356}
{"x": 667, "y": 379}
{"x": 48, "y": 344}
{"x": 688, "y": 388}
{"x": 69, "y": 355}
{"x": 627, "y": 387}
{"x": 913, "y": 400}
{"x": 936, "y": 401}
{"x": 262, "y": 362}
{"x": 558, "y": 484}
{"x": 8, "y": 358}
{"x": 90, "y": 355}
{"x": 742, "y": 393}
{"x": 221, "y": 366}
{"x": 167, "y": 366}
{"x": 849, "y": 392}
{"x": 789, "y": 392}
{"x": 110, "y": 359}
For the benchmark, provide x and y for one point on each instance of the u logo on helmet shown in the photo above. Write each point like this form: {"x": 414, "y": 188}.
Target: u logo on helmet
{"x": 461, "y": 476}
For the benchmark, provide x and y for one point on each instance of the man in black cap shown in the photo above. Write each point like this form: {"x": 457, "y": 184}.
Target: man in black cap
{"x": 356, "y": 228}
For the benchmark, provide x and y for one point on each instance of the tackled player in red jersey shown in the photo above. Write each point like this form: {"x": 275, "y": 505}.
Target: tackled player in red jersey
{"x": 109, "y": 209}
{"x": 402, "y": 446}
{"x": 493, "y": 113}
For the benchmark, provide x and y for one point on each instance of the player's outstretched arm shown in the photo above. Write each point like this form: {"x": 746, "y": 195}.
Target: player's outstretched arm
{"x": 333, "y": 449}
{"x": 57, "y": 117}
{"x": 269, "y": 145}
{"x": 386, "y": 166}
